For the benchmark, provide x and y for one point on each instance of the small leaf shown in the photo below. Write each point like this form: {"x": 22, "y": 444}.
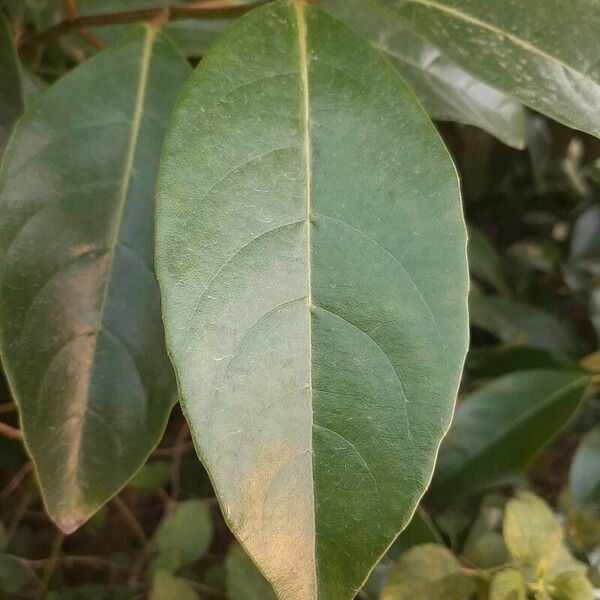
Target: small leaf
{"x": 538, "y": 65}
{"x": 532, "y": 533}
{"x": 11, "y": 84}
{"x": 80, "y": 329}
{"x": 167, "y": 587}
{"x": 572, "y": 585}
{"x": 428, "y": 572}
{"x": 508, "y": 585}
{"x": 485, "y": 262}
{"x": 499, "y": 428}
{"x": 487, "y": 550}
{"x": 311, "y": 255}
{"x": 509, "y": 320}
{"x": 243, "y": 580}
{"x": 448, "y": 92}
{"x": 151, "y": 476}
{"x": 584, "y": 476}
{"x": 186, "y": 532}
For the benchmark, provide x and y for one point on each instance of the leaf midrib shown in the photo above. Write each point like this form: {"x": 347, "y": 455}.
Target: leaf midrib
{"x": 299, "y": 9}
{"x": 138, "y": 108}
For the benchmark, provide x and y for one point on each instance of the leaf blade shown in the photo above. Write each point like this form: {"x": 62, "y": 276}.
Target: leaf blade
{"x": 540, "y": 66}
{"x": 258, "y": 297}
{"x": 81, "y": 334}
{"x": 447, "y": 91}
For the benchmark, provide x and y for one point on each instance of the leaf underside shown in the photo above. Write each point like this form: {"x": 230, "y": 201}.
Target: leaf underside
{"x": 81, "y": 334}
{"x": 311, "y": 255}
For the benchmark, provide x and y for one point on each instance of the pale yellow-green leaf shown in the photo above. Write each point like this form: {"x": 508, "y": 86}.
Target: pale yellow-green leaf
{"x": 428, "y": 572}
{"x": 532, "y": 533}
{"x": 572, "y": 585}
{"x": 508, "y": 585}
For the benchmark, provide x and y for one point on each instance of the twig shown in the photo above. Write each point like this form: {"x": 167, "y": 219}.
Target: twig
{"x": 8, "y": 407}
{"x": 208, "y": 9}
{"x": 53, "y": 559}
{"x": 10, "y": 432}
{"x": 180, "y": 441}
{"x": 16, "y": 480}
{"x": 131, "y": 520}
{"x": 167, "y": 452}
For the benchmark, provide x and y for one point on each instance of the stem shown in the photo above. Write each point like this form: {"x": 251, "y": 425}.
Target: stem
{"x": 208, "y": 9}
{"x": 10, "y": 432}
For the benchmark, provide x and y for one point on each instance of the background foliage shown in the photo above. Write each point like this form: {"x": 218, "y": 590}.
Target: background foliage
{"x": 514, "y": 507}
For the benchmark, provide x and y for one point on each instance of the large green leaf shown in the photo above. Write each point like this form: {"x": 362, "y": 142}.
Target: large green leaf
{"x": 311, "y": 256}
{"x": 542, "y": 52}
{"x": 11, "y": 85}
{"x": 448, "y": 92}
{"x": 81, "y": 334}
{"x": 499, "y": 428}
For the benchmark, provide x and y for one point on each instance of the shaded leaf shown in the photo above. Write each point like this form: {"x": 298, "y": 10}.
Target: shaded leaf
{"x": 187, "y": 532}
{"x": 448, "y": 92}
{"x": 242, "y": 579}
{"x": 584, "y": 476}
{"x": 523, "y": 48}
{"x": 11, "y": 85}
{"x": 500, "y": 427}
{"x": 167, "y": 587}
{"x": 428, "y": 572}
{"x": 81, "y": 334}
{"x": 485, "y": 262}
{"x": 151, "y": 476}
{"x": 311, "y": 255}
{"x": 509, "y": 320}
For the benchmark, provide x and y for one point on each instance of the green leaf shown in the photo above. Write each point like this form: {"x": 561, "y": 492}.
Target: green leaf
{"x": 151, "y": 476}
{"x": 243, "y": 580}
{"x": 11, "y": 85}
{"x": 572, "y": 585}
{"x": 81, "y": 334}
{"x": 167, "y": 587}
{"x": 499, "y": 428}
{"x": 509, "y": 320}
{"x": 311, "y": 255}
{"x": 485, "y": 262}
{"x": 447, "y": 91}
{"x": 531, "y": 532}
{"x": 526, "y": 49}
{"x": 420, "y": 530}
{"x": 584, "y": 477}
{"x": 508, "y": 585}
{"x": 187, "y": 532}
{"x": 428, "y": 572}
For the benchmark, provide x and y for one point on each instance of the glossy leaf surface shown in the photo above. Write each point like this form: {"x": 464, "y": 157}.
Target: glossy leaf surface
{"x": 311, "y": 255}
{"x": 447, "y": 91}
{"x": 11, "y": 85}
{"x": 499, "y": 428}
{"x": 528, "y": 49}
{"x": 81, "y": 334}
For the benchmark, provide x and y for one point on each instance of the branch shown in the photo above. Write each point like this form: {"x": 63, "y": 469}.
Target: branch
{"x": 208, "y": 9}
